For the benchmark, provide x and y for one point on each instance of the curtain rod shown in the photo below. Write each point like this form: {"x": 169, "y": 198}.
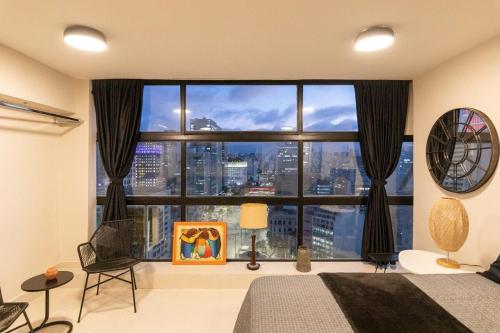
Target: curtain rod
{"x": 18, "y": 107}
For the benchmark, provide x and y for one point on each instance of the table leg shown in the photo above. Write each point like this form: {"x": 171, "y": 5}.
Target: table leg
{"x": 46, "y": 318}
{"x": 47, "y": 308}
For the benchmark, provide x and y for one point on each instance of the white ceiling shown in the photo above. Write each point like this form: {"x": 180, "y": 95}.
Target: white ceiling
{"x": 251, "y": 39}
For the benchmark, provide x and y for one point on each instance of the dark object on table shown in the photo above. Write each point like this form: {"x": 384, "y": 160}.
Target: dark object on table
{"x": 372, "y": 302}
{"x": 383, "y": 260}
{"x": 9, "y": 312}
{"x": 114, "y": 246}
{"x": 303, "y": 259}
{"x": 494, "y": 272}
{"x": 253, "y": 265}
{"x": 40, "y": 283}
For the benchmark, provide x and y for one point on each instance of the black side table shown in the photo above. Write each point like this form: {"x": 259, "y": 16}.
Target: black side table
{"x": 382, "y": 259}
{"x": 40, "y": 283}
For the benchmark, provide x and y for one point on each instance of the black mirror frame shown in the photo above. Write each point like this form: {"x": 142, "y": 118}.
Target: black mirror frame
{"x": 494, "y": 152}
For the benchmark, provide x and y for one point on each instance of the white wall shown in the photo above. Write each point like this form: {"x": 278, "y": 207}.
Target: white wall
{"x": 469, "y": 80}
{"x": 44, "y": 197}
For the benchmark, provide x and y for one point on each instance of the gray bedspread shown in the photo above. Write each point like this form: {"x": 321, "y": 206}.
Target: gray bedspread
{"x": 292, "y": 304}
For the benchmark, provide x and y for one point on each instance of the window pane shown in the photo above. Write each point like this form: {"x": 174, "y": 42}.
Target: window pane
{"x": 241, "y": 107}
{"x": 402, "y": 225}
{"x": 401, "y": 180}
{"x": 159, "y": 227}
{"x": 334, "y": 168}
{"x": 242, "y": 169}
{"x": 155, "y": 171}
{"x": 156, "y": 224}
{"x": 278, "y": 241}
{"x": 334, "y": 232}
{"x": 99, "y": 210}
{"x": 161, "y": 109}
{"x": 329, "y": 108}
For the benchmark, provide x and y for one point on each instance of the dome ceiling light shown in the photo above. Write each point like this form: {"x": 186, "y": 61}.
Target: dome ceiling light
{"x": 374, "y": 39}
{"x": 85, "y": 38}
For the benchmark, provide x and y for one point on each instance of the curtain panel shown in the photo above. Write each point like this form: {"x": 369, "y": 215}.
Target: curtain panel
{"x": 118, "y": 106}
{"x": 381, "y": 109}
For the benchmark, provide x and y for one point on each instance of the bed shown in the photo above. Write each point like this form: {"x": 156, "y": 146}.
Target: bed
{"x": 306, "y": 304}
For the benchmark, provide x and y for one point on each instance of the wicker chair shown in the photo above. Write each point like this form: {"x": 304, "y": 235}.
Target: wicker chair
{"x": 114, "y": 246}
{"x": 9, "y": 312}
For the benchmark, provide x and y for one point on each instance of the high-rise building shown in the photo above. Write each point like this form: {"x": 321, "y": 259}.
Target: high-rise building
{"x": 159, "y": 227}
{"x": 235, "y": 173}
{"x": 333, "y": 230}
{"x": 282, "y": 231}
{"x": 205, "y": 160}
{"x": 282, "y": 220}
{"x": 171, "y": 166}
{"x": 402, "y": 225}
{"x": 147, "y": 172}
{"x": 343, "y": 181}
{"x": 323, "y": 187}
{"x": 286, "y": 169}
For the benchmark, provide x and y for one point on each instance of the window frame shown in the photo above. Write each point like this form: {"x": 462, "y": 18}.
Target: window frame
{"x": 298, "y": 135}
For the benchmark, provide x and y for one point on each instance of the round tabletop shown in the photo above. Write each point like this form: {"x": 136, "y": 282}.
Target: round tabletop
{"x": 40, "y": 282}
{"x": 424, "y": 262}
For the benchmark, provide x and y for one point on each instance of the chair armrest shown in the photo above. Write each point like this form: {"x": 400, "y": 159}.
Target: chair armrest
{"x": 87, "y": 254}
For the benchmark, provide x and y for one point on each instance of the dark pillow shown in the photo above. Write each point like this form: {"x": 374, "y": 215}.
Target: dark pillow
{"x": 494, "y": 272}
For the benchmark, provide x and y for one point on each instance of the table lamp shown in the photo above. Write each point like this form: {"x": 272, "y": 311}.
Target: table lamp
{"x": 253, "y": 216}
{"x": 449, "y": 227}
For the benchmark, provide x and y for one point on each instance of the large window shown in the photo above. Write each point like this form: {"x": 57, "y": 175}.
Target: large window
{"x": 207, "y": 147}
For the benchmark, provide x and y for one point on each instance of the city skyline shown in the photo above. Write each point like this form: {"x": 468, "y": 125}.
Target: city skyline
{"x": 263, "y": 169}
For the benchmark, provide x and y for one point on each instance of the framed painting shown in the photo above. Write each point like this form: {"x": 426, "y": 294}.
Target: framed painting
{"x": 199, "y": 243}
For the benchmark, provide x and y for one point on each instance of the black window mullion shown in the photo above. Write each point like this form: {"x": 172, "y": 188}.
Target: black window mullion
{"x": 183, "y": 179}
{"x": 250, "y": 136}
{"x": 300, "y": 190}
{"x": 231, "y": 201}
{"x": 300, "y": 99}
{"x": 300, "y": 166}
{"x": 183, "y": 109}
{"x": 183, "y": 151}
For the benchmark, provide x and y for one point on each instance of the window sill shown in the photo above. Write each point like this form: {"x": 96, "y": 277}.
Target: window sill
{"x": 233, "y": 275}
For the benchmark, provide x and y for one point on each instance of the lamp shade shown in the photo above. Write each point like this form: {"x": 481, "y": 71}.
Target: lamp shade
{"x": 253, "y": 216}
{"x": 449, "y": 224}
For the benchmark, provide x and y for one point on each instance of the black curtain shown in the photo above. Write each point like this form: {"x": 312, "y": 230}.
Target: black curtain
{"x": 118, "y": 105}
{"x": 381, "y": 110}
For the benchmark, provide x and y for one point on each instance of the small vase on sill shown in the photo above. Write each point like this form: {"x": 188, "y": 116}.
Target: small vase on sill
{"x": 303, "y": 259}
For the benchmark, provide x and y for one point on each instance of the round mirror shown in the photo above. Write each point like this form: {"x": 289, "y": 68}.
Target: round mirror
{"x": 462, "y": 150}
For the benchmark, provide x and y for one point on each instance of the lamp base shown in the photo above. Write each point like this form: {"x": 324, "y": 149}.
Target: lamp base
{"x": 448, "y": 263}
{"x": 253, "y": 267}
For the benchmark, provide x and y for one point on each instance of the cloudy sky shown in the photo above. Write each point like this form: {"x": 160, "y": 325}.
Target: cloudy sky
{"x": 252, "y": 107}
